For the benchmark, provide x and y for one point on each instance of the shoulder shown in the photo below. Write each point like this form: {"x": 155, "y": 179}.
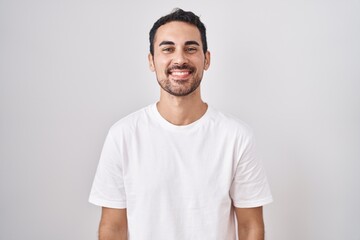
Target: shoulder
{"x": 130, "y": 122}
{"x": 231, "y": 123}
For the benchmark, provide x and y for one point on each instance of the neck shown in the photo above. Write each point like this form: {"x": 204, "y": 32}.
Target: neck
{"x": 181, "y": 110}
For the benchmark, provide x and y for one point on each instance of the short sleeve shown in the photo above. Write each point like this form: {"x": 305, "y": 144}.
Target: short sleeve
{"x": 250, "y": 187}
{"x": 108, "y": 186}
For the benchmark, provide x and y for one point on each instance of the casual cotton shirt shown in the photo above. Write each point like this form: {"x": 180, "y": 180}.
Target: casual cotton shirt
{"x": 180, "y": 182}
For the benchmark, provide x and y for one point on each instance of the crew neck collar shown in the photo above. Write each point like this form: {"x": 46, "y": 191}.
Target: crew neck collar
{"x": 168, "y": 125}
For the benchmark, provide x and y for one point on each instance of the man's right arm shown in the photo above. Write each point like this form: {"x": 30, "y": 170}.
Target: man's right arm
{"x": 113, "y": 224}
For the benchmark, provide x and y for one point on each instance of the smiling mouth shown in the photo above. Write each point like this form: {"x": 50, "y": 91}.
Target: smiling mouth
{"x": 180, "y": 72}
{"x": 183, "y": 75}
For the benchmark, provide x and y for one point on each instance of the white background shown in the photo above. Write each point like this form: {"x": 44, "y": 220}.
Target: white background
{"x": 70, "y": 69}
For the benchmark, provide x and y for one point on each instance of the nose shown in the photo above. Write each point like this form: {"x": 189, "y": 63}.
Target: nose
{"x": 180, "y": 57}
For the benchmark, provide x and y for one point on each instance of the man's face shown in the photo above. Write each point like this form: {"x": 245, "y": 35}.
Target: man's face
{"x": 179, "y": 60}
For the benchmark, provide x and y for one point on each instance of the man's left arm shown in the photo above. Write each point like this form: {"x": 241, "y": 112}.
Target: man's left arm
{"x": 250, "y": 223}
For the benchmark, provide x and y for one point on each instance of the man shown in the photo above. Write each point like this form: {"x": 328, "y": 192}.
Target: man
{"x": 179, "y": 169}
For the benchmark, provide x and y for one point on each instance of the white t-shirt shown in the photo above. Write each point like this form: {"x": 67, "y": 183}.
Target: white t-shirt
{"x": 179, "y": 182}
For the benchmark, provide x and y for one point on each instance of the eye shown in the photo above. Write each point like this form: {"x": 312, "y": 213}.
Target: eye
{"x": 191, "y": 49}
{"x": 168, "y": 50}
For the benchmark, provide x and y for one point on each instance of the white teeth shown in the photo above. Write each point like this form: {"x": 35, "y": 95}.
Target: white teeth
{"x": 179, "y": 73}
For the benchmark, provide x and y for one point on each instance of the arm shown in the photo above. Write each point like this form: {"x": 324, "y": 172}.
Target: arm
{"x": 250, "y": 223}
{"x": 113, "y": 224}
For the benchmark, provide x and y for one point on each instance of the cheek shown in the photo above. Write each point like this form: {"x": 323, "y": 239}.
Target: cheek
{"x": 200, "y": 65}
{"x": 161, "y": 62}
{"x": 162, "y": 67}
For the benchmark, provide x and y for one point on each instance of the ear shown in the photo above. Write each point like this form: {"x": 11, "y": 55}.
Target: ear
{"x": 207, "y": 60}
{"x": 151, "y": 62}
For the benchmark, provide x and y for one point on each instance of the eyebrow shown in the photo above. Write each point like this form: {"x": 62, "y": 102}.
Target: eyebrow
{"x": 192, "y": 43}
{"x": 172, "y": 43}
{"x": 166, "y": 43}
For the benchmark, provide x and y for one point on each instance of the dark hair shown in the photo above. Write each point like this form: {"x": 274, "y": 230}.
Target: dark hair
{"x": 182, "y": 16}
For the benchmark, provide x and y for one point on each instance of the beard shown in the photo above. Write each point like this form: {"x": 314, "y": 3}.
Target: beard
{"x": 180, "y": 88}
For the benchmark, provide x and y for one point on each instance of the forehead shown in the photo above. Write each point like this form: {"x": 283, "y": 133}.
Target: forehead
{"x": 177, "y": 32}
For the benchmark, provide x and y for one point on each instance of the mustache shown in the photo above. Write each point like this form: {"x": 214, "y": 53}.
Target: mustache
{"x": 180, "y": 67}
